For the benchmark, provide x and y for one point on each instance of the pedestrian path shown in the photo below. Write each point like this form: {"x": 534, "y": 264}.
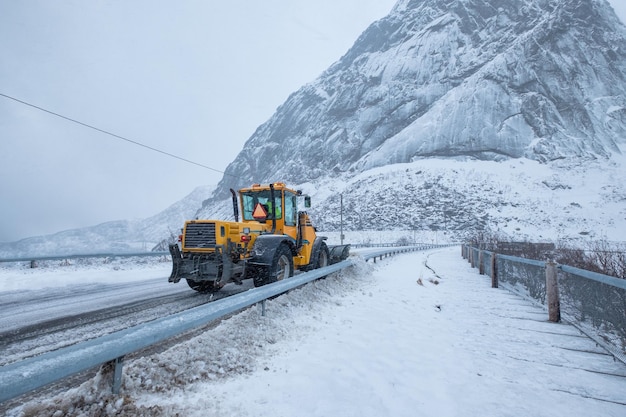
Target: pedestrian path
{"x": 518, "y": 350}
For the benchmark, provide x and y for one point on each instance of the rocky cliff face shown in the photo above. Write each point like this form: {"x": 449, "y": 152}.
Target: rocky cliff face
{"x": 478, "y": 79}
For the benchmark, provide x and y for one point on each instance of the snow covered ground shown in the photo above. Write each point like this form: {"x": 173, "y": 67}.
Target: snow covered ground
{"x": 416, "y": 334}
{"x": 19, "y": 276}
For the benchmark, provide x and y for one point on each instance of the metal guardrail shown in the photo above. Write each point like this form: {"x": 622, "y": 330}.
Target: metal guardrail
{"x": 166, "y": 253}
{"x": 27, "y": 375}
{"x": 592, "y": 302}
{"x": 389, "y": 251}
{"x": 84, "y": 256}
{"x": 594, "y": 276}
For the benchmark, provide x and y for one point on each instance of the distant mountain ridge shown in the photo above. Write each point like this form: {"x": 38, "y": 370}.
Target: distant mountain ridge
{"x": 120, "y": 236}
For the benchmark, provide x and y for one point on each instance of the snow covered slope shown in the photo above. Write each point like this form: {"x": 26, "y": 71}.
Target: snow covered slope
{"x": 489, "y": 80}
{"x": 519, "y": 199}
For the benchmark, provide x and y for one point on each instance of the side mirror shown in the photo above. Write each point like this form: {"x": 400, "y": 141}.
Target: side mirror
{"x": 307, "y": 201}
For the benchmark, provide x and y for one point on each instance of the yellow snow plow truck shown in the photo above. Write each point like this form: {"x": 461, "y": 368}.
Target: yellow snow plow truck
{"x": 272, "y": 240}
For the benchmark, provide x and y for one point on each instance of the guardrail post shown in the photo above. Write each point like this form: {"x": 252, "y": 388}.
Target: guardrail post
{"x": 117, "y": 374}
{"x": 263, "y": 308}
{"x": 494, "y": 271}
{"x": 552, "y": 293}
{"x": 481, "y": 266}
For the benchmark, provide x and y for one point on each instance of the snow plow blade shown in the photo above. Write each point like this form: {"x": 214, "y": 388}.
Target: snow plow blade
{"x": 177, "y": 260}
{"x": 338, "y": 253}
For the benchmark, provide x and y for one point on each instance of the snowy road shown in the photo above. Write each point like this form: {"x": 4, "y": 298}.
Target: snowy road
{"x": 34, "y": 302}
{"x": 44, "y": 309}
{"x": 55, "y": 307}
{"x": 24, "y": 308}
{"x": 415, "y": 334}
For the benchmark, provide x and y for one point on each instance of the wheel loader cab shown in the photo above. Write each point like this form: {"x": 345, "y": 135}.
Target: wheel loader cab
{"x": 260, "y": 204}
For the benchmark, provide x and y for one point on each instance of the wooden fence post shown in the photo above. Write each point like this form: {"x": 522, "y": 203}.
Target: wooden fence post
{"x": 481, "y": 266}
{"x": 552, "y": 293}
{"x": 494, "y": 271}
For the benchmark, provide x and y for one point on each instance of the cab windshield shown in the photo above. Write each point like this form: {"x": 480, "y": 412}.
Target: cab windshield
{"x": 251, "y": 200}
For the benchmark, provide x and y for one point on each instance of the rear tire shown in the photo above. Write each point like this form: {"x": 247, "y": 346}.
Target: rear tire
{"x": 203, "y": 287}
{"x": 252, "y": 272}
{"x": 323, "y": 258}
{"x": 281, "y": 267}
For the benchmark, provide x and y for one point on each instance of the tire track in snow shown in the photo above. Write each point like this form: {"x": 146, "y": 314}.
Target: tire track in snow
{"x": 69, "y": 328}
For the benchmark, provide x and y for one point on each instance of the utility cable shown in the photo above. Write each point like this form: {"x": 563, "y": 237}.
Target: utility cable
{"x": 114, "y": 135}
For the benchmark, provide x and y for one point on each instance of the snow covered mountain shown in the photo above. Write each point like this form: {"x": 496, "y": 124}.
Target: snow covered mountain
{"x": 456, "y": 115}
{"x": 538, "y": 80}
{"x": 490, "y": 80}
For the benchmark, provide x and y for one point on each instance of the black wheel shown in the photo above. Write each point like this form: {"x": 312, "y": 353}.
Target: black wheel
{"x": 324, "y": 256}
{"x": 203, "y": 286}
{"x": 252, "y": 272}
{"x": 281, "y": 267}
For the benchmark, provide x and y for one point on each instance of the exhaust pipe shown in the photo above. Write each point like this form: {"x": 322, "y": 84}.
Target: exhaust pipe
{"x": 235, "y": 205}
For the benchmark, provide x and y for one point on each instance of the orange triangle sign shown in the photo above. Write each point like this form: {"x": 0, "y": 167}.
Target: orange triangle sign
{"x": 259, "y": 212}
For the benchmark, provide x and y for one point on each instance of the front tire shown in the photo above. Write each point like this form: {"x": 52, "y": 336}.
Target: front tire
{"x": 203, "y": 287}
{"x": 323, "y": 257}
{"x": 280, "y": 268}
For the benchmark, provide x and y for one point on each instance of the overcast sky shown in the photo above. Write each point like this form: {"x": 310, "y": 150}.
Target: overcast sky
{"x": 193, "y": 78}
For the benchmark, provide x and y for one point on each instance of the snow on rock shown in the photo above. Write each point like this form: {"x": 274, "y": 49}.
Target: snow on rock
{"x": 536, "y": 79}
{"x": 447, "y": 84}
{"x": 518, "y": 199}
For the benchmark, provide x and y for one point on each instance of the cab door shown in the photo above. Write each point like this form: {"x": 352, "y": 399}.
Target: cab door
{"x": 290, "y": 214}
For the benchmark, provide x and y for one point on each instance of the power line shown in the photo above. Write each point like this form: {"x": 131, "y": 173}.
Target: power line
{"x": 114, "y": 135}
